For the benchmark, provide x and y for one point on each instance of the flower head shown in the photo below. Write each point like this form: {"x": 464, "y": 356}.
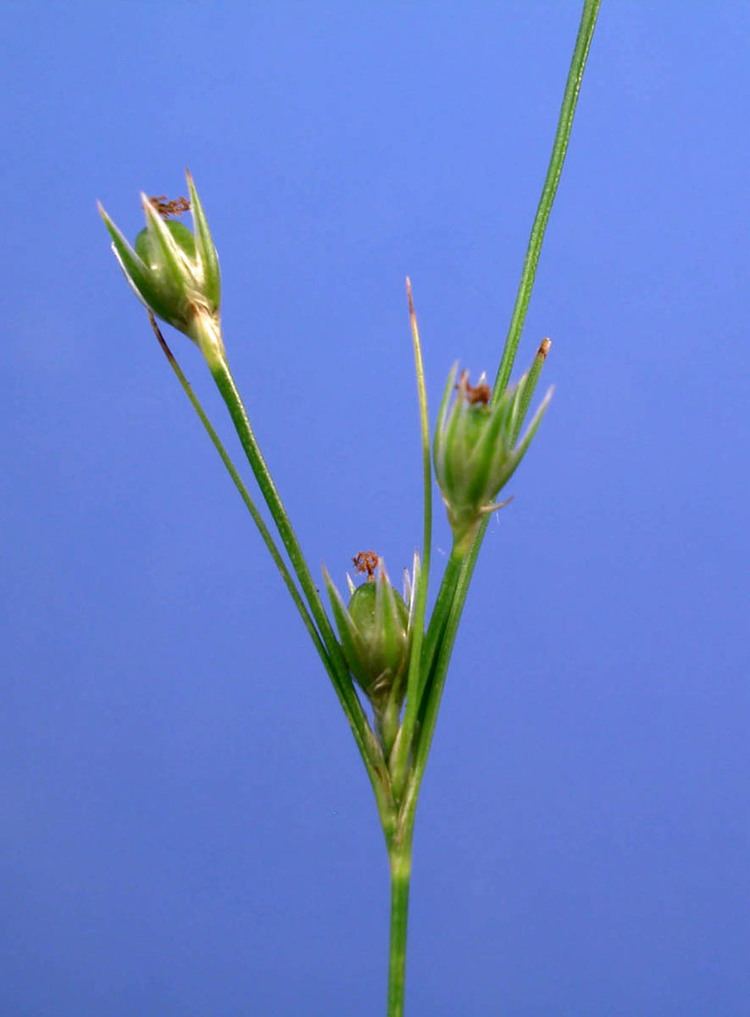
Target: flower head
{"x": 375, "y": 628}
{"x": 174, "y": 270}
{"x": 477, "y": 447}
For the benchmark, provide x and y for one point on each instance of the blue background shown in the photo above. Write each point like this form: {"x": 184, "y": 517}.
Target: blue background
{"x": 186, "y": 829}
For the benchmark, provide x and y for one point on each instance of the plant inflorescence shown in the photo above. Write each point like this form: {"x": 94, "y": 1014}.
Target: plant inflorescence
{"x": 387, "y": 660}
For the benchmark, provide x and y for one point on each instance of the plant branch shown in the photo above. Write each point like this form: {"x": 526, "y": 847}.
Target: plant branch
{"x": 250, "y": 505}
{"x": 442, "y": 641}
{"x": 402, "y": 747}
{"x": 366, "y": 742}
{"x": 549, "y": 191}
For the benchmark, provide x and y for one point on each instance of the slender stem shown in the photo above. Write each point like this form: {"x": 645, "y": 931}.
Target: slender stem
{"x": 227, "y": 386}
{"x": 461, "y": 567}
{"x": 536, "y": 239}
{"x": 377, "y": 770}
{"x": 402, "y": 748}
{"x": 401, "y": 849}
{"x": 437, "y": 678}
{"x": 549, "y": 190}
{"x": 366, "y": 742}
{"x": 400, "y": 865}
{"x": 265, "y": 533}
{"x": 465, "y": 567}
{"x": 439, "y": 615}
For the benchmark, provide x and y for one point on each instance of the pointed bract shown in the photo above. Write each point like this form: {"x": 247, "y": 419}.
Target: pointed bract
{"x": 136, "y": 272}
{"x": 206, "y": 251}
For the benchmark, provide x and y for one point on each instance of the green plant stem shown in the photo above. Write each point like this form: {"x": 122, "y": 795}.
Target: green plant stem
{"x": 461, "y": 566}
{"x": 399, "y": 761}
{"x": 439, "y": 614}
{"x": 227, "y": 386}
{"x": 526, "y": 285}
{"x": 528, "y": 275}
{"x": 400, "y": 869}
{"x": 250, "y": 505}
{"x": 433, "y": 692}
{"x": 437, "y": 684}
{"x": 549, "y": 190}
{"x": 369, "y": 749}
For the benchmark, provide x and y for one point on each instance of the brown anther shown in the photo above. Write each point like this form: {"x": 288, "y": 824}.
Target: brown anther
{"x": 544, "y": 348}
{"x": 366, "y": 562}
{"x": 474, "y": 394}
{"x": 166, "y": 207}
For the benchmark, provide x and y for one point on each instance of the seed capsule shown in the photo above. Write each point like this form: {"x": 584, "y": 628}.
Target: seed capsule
{"x": 381, "y": 619}
{"x": 174, "y": 271}
{"x": 476, "y": 447}
{"x": 375, "y": 634}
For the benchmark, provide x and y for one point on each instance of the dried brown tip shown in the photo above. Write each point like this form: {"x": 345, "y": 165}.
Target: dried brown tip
{"x": 410, "y": 297}
{"x": 166, "y": 207}
{"x": 474, "y": 394}
{"x": 545, "y": 347}
{"x": 366, "y": 562}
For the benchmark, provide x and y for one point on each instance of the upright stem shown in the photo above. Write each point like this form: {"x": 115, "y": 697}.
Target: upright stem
{"x": 549, "y": 191}
{"x": 243, "y": 491}
{"x": 399, "y": 760}
{"x": 227, "y": 387}
{"x": 225, "y": 382}
{"x": 441, "y": 633}
{"x": 400, "y": 863}
{"x": 525, "y": 287}
{"x": 438, "y": 619}
{"x": 464, "y": 566}
{"x": 369, "y": 749}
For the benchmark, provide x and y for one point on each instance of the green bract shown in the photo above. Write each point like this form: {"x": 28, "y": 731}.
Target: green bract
{"x": 476, "y": 447}
{"x": 174, "y": 271}
{"x": 375, "y": 632}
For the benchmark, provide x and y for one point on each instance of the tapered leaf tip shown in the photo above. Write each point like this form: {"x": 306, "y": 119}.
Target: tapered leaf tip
{"x": 106, "y": 218}
{"x": 191, "y": 189}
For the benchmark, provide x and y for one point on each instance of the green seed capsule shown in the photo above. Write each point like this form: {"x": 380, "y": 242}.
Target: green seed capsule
{"x": 175, "y": 271}
{"x": 170, "y": 277}
{"x": 382, "y": 627}
{"x": 477, "y": 448}
{"x": 375, "y": 635}
{"x": 148, "y": 251}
